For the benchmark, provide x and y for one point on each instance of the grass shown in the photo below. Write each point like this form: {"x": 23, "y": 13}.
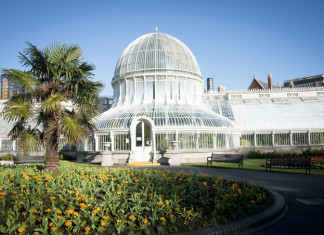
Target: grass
{"x": 68, "y": 163}
{"x": 258, "y": 165}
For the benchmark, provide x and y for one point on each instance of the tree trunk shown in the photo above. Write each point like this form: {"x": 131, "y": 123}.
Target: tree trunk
{"x": 51, "y": 134}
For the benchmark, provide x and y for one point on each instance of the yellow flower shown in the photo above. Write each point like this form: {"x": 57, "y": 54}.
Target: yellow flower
{"x": 48, "y": 210}
{"x": 162, "y": 218}
{"x": 51, "y": 224}
{"x": 171, "y": 216}
{"x": 105, "y": 217}
{"x": 59, "y": 217}
{"x": 126, "y": 182}
{"x": 159, "y": 203}
{"x": 21, "y": 229}
{"x": 252, "y": 201}
{"x": 20, "y": 203}
{"x": 3, "y": 194}
{"x": 68, "y": 223}
{"x": 52, "y": 198}
{"x": 102, "y": 223}
{"x": 118, "y": 192}
{"x": 118, "y": 221}
{"x": 144, "y": 221}
{"x": 34, "y": 210}
{"x": 86, "y": 229}
{"x": 23, "y": 186}
{"x": 53, "y": 229}
{"x": 58, "y": 212}
{"x": 69, "y": 211}
{"x": 131, "y": 217}
{"x": 205, "y": 183}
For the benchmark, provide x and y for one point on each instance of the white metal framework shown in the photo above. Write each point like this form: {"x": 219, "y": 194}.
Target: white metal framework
{"x": 158, "y": 99}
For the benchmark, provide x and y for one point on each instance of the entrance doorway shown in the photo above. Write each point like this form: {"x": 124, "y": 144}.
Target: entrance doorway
{"x": 143, "y": 142}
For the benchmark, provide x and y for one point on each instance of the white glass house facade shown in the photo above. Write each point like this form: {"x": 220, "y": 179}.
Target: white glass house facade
{"x": 158, "y": 92}
{"x": 159, "y": 100}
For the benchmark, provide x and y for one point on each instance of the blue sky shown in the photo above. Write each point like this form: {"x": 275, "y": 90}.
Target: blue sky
{"x": 232, "y": 40}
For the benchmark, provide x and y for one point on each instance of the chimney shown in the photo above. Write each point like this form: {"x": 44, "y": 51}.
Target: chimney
{"x": 221, "y": 89}
{"x": 270, "y": 81}
{"x": 210, "y": 85}
{"x": 291, "y": 84}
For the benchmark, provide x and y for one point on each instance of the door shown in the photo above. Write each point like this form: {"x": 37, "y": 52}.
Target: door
{"x": 143, "y": 147}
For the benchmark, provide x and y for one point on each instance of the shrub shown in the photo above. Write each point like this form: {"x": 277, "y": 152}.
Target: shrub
{"x": 7, "y": 158}
{"x": 66, "y": 157}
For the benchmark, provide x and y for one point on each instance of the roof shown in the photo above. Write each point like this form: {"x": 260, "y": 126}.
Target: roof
{"x": 163, "y": 116}
{"x": 263, "y": 85}
{"x": 157, "y": 51}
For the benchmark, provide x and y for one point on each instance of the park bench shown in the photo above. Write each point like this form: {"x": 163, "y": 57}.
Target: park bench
{"x": 29, "y": 159}
{"x": 235, "y": 158}
{"x": 289, "y": 162}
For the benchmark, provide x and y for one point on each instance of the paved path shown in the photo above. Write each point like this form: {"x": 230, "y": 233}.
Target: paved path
{"x": 301, "y": 218}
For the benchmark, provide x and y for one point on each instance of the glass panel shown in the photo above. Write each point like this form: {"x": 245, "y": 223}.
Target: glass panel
{"x": 317, "y": 138}
{"x": 147, "y": 134}
{"x": 139, "y": 135}
{"x": 122, "y": 142}
{"x": 187, "y": 141}
{"x": 206, "y": 141}
{"x": 264, "y": 139}
{"x": 163, "y": 140}
{"x": 300, "y": 139}
{"x": 6, "y": 145}
{"x": 102, "y": 139}
{"x": 281, "y": 139}
{"x": 220, "y": 141}
{"x": 247, "y": 140}
{"x": 91, "y": 144}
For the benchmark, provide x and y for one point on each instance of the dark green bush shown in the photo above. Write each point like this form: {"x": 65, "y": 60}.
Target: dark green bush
{"x": 308, "y": 152}
{"x": 7, "y": 158}
{"x": 66, "y": 157}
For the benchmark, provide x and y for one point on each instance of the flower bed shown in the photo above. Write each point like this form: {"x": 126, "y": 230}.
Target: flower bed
{"x": 317, "y": 162}
{"x": 88, "y": 200}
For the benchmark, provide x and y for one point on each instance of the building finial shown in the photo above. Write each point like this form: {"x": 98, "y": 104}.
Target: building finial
{"x": 254, "y": 76}
{"x": 156, "y": 29}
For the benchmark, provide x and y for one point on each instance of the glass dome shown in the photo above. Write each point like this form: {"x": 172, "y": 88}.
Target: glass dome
{"x": 157, "y": 51}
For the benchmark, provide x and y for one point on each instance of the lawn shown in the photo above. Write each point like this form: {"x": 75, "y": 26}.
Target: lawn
{"x": 258, "y": 165}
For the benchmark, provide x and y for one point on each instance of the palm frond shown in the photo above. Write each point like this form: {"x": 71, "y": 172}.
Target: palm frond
{"x": 25, "y": 80}
{"x": 18, "y": 108}
{"x": 53, "y": 103}
{"x": 70, "y": 127}
{"x": 34, "y": 59}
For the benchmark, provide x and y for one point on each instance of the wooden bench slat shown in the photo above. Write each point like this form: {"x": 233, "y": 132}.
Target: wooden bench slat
{"x": 290, "y": 162}
{"x": 232, "y": 158}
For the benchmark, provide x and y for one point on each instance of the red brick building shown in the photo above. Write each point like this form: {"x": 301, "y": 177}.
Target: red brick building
{"x": 260, "y": 85}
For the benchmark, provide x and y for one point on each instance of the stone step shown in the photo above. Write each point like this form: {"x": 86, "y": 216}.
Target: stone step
{"x": 142, "y": 164}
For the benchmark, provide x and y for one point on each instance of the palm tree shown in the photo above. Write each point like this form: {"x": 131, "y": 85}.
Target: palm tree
{"x": 57, "y": 95}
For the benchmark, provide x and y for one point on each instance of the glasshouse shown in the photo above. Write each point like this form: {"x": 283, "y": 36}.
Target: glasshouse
{"x": 160, "y": 112}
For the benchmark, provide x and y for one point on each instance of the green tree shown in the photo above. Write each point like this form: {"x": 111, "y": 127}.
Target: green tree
{"x": 57, "y": 95}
